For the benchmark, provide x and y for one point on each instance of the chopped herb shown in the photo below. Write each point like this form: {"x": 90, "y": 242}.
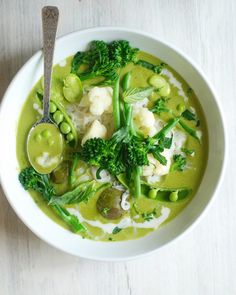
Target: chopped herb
{"x": 190, "y": 116}
{"x": 136, "y": 94}
{"x": 160, "y": 106}
{"x": 187, "y": 151}
{"x": 147, "y": 216}
{"x": 105, "y": 210}
{"x": 110, "y": 239}
{"x": 179, "y": 163}
{"x": 155, "y": 68}
{"x": 116, "y": 230}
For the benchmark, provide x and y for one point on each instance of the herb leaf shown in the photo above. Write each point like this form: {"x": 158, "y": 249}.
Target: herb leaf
{"x": 188, "y": 151}
{"x": 160, "y": 106}
{"x": 155, "y": 68}
{"x": 179, "y": 163}
{"x": 136, "y": 94}
{"x": 190, "y": 116}
{"x": 116, "y": 230}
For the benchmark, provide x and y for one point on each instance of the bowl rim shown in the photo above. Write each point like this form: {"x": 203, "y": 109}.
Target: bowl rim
{"x": 220, "y": 113}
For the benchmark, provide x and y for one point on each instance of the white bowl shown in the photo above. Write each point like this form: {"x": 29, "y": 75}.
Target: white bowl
{"x": 47, "y": 229}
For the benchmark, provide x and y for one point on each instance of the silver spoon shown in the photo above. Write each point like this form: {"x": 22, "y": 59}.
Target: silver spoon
{"x": 45, "y": 142}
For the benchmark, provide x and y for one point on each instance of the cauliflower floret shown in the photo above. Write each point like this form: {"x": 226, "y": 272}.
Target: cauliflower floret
{"x": 100, "y": 99}
{"x": 155, "y": 167}
{"x": 145, "y": 121}
{"x": 95, "y": 130}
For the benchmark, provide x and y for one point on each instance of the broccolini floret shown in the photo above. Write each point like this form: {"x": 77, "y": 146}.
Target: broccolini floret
{"x": 31, "y": 179}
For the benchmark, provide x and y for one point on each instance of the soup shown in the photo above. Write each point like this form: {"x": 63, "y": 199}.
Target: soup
{"x": 135, "y": 143}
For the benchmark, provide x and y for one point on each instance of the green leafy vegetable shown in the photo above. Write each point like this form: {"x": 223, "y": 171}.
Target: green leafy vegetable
{"x": 179, "y": 163}
{"x": 137, "y": 94}
{"x": 189, "y": 130}
{"x": 155, "y": 68}
{"x": 147, "y": 216}
{"x": 30, "y": 179}
{"x": 116, "y": 230}
{"x": 163, "y": 194}
{"x": 104, "y": 59}
{"x": 188, "y": 151}
{"x": 160, "y": 106}
{"x": 190, "y": 116}
{"x": 80, "y": 194}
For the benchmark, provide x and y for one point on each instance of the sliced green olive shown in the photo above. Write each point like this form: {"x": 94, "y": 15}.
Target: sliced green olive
{"x": 60, "y": 174}
{"x": 108, "y": 203}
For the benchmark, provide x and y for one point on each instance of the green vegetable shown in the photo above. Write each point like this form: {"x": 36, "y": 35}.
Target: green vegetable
{"x": 163, "y": 194}
{"x": 189, "y": 130}
{"x": 160, "y": 84}
{"x": 155, "y": 68}
{"x": 53, "y": 107}
{"x": 73, "y": 89}
{"x": 30, "y": 179}
{"x": 167, "y": 128}
{"x": 147, "y": 216}
{"x": 61, "y": 116}
{"x": 116, "y": 104}
{"x": 190, "y": 116}
{"x": 179, "y": 163}
{"x": 160, "y": 106}
{"x": 152, "y": 193}
{"x": 116, "y": 230}
{"x": 188, "y": 151}
{"x": 80, "y": 194}
{"x": 173, "y": 196}
{"x": 181, "y": 107}
{"x": 58, "y": 117}
{"x": 69, "y": 137}
{"x": 104, "y": 59}
{"x": 136, "y": 94}
{"x": 65, "y": 128}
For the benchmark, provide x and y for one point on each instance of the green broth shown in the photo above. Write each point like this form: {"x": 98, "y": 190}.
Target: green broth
{"x": 190, "y": 177}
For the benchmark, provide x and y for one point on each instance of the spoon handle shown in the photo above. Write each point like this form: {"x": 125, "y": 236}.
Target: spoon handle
{"x": 50, "y": 16}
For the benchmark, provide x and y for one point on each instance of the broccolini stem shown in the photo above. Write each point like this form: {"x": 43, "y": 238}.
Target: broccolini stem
{"x": 69, "y": 219}
{"x": 189, "y": 130}
{"x": 72, "y": 176}
{"x": 167, "y": 128}
{"x": 128, "y": 108}
{"x": 116, "y": 104}
{"x": 86, "y": 76}
{"x": 137, "y": 183}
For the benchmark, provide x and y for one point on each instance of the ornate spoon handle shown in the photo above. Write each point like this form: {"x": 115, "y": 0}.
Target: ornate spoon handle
{"x": 50, "y": 16}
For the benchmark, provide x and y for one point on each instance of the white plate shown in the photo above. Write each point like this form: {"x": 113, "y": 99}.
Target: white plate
{"x": 47, "y": 229}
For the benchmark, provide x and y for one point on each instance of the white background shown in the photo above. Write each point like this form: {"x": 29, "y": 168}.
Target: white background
{"x": 202, "y": 262}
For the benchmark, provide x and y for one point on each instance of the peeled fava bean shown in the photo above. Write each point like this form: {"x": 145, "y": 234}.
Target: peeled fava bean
{"x": 108, "y": 203}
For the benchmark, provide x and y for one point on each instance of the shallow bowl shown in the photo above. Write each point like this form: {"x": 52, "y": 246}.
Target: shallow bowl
{"x": 41, "y": 224}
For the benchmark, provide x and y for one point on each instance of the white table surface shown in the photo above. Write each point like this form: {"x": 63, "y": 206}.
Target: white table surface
{"x": 201, "y": 263}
